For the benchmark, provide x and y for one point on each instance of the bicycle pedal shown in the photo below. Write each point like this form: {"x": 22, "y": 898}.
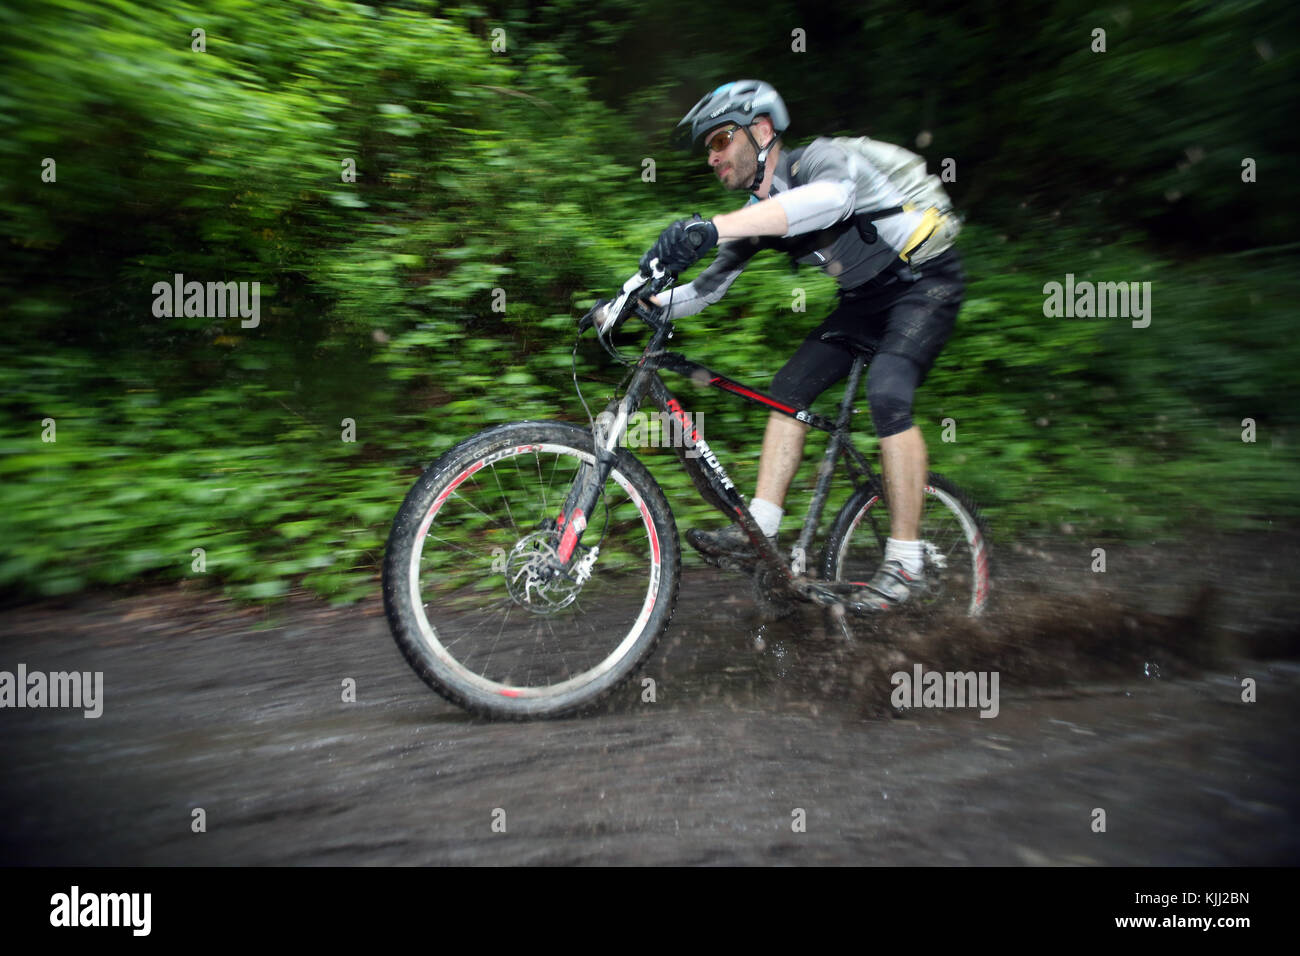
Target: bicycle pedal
{"x": 810, "y": 590}
{"x": 918, "y": 606}
{"x": 870, "y": 607}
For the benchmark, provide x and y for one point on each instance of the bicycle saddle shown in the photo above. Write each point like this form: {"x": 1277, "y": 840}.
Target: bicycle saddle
{"x": 849, "y": 339}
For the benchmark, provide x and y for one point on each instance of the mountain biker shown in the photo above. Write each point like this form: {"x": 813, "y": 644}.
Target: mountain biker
{"x": 901, "y": 286}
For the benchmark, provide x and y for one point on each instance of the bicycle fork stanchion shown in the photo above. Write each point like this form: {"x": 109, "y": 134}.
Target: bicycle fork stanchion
{"x": 587, "y": 488}
{"x": 583, "y": 496}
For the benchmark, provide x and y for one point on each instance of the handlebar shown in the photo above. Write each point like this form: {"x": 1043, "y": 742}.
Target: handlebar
{"x": 609, "y": 315}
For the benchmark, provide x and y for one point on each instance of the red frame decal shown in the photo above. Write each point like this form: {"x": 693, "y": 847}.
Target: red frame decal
{"x": 730, "y": 386}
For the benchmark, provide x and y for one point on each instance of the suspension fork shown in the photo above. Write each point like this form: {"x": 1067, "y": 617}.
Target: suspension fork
{"x": 587, "y": 487}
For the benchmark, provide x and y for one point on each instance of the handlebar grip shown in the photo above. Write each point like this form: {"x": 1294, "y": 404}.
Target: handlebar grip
{"x": 655, "y": 286}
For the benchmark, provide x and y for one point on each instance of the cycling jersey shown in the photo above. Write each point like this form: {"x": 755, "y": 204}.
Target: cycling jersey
{"x": 821, "y": 187}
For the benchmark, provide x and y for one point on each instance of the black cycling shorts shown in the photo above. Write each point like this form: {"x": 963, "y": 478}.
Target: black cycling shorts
{"x": 911, "y": 319}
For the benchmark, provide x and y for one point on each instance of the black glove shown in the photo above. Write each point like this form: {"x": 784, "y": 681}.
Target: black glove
{"x": 681, "y": 245}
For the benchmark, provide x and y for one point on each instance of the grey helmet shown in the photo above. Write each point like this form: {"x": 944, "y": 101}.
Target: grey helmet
{"x": 737, "y": 102}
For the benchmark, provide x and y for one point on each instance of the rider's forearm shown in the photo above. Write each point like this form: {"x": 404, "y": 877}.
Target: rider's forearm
{"x": 802, "y": 209}
{"x": 766, "y": 218}
{"x": 712, "y": 283}
{"x": 817, "y": 205}
{"x": 685, "y": 300}
{"x": 695, "y": 296}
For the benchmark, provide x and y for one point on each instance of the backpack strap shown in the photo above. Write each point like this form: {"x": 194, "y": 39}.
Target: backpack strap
{"x": 865, "y": 221}
{"x": 882, "y": 213}
{"x": 795, "y": 155}
{"x": 931, "y": 220}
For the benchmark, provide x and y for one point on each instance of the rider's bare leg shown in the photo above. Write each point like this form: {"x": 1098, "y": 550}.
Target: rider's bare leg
{"x": 904, "y": 461}
{"x": 782, "y": 453}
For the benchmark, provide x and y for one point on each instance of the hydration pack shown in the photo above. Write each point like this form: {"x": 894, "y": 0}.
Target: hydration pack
{"x": 922, "y": 192}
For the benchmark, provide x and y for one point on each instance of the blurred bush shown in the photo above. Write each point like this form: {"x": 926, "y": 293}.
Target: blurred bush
{"x": 498, "y": 178}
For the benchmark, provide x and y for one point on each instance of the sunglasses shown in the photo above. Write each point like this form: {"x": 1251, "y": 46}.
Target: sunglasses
{"x": 720, "y": 141}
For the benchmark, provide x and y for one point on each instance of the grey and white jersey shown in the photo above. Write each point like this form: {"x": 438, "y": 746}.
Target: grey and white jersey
{"x": 821, "y": 187}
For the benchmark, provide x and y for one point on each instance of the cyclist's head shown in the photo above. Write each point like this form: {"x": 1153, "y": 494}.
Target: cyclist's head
{"x": 733, "y": 152}
{"x": 738, "y": 103}
{"x": 748, "y": 106}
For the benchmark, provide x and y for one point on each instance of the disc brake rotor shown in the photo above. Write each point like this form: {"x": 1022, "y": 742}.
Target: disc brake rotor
{"x": 535, "y": 576}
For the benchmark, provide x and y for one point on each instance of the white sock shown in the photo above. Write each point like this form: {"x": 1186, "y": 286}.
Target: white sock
{"x": 910, "y": 554}
{"x": 767, "y": 515}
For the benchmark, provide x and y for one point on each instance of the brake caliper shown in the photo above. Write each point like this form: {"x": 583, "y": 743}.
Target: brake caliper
{"x": 582, "y": 570}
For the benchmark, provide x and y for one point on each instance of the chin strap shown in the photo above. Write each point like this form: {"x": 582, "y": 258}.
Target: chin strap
{"x": 762, "y": 158}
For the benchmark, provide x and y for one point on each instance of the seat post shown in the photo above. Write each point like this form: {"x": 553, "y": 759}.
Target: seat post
{"x": 851, "y": 390}
{"x": 833, "y": 448}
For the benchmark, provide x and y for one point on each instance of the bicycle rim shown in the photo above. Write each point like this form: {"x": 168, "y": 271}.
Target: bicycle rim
{"x": 490, "y": 625}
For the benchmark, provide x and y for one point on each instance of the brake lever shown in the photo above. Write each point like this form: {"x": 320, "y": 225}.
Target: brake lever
{"x": 589, "y": 320}
{"x": 635, "y": 287}
{"x": 606, "y": 315}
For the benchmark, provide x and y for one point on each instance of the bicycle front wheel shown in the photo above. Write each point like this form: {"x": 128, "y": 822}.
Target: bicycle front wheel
{"x": 471, "y": 587}
{"x": 957, "y": 553}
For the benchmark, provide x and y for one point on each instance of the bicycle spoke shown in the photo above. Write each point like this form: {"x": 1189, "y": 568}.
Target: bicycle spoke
{"x": 452, "y": 544}
{"x": 500, "y": 606}
{"x": 457, "y": 494}
{"x": 504, "y": 622}
{"x": 546, "y": 508}
{"x": 505, "y": 499}
{"x": 561, "y": 646}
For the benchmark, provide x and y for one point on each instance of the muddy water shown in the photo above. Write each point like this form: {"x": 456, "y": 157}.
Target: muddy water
{"x": 766, "y": 741}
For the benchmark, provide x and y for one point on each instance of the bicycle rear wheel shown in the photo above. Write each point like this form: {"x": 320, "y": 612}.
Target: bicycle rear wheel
{"x": 957, "y": 552}
{"x": 470, "y": 583}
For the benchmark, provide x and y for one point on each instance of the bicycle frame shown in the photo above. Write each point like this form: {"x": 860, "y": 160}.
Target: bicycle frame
{"x": 708, "y": 473}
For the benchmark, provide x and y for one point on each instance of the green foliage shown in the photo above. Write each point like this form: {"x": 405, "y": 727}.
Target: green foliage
{"x": 495, "y": 196}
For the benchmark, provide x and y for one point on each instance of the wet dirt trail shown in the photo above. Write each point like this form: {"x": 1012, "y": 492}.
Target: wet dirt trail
{"x": 1120, "y": 692}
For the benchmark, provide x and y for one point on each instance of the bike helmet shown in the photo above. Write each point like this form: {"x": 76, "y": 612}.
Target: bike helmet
{"x": 739, "y": 102}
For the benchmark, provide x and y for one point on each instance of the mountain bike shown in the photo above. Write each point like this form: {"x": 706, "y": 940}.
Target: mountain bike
{"x": 533, "y": 567}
